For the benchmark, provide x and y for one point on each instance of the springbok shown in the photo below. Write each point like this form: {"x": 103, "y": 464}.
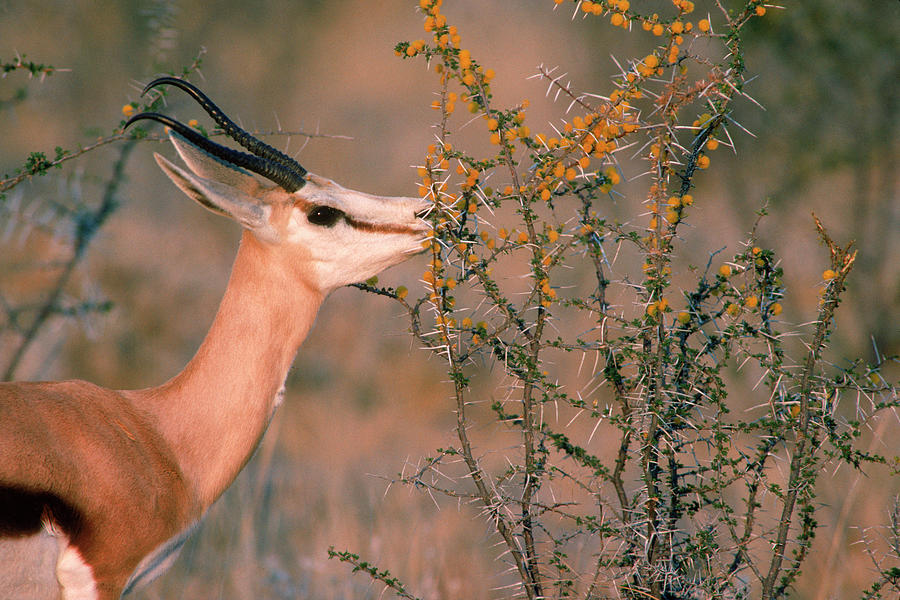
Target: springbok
{"x": 100, "y": 488}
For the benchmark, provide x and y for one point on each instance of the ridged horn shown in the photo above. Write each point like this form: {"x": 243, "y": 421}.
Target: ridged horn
{"x": 251, "y": 143}
{"x": 265, "y": 160}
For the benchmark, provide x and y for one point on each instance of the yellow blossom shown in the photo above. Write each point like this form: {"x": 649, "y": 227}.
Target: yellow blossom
{"x": 613, "y": 175}
{"x": 465, "y": 59}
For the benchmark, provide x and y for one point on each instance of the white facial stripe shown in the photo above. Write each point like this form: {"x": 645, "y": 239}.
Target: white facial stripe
{"x": 365, "y": 211}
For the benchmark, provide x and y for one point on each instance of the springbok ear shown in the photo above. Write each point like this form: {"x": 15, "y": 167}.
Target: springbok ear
{"x": 220, "y": 198}
{"x": 208, "y": 166}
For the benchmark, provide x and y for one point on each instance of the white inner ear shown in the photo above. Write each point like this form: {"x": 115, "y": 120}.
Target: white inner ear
{"x": 221, "y": 198}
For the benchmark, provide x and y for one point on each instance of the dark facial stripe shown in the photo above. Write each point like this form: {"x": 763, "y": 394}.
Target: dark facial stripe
{"x": 381, "y": 227}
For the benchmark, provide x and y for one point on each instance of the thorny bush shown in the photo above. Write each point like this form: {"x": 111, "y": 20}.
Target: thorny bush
{"x": 527, "y": 271}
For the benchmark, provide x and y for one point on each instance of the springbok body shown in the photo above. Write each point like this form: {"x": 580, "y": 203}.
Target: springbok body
{"x": 99, "y": 488}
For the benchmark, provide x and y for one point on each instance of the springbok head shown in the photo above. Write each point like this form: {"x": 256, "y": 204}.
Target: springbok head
{"x": 336, "y": 235}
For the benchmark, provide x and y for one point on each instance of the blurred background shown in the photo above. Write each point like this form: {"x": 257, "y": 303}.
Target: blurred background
{"x": 139, "y": 301}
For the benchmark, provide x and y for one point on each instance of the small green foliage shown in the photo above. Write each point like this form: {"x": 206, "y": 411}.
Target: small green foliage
{"x": 890, "y": 579}
{"x": 36, "y": 164}
{"x": 384, "y": 576}
{"x": 20, "y": 64}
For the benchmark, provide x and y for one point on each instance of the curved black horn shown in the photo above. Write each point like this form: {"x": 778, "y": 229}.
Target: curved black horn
{"x": 289, "y": 179}
{"x": 254, "y": 145}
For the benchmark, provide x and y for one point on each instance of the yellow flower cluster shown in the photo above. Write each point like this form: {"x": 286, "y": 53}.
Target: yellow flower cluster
{"x": 548, "y": 293}
{"x": 675, "y": 208}
{"x": 415, "y": 47}
{"x": 620, "y": 16}
{"x": 585, "y": 138}
{"x": 617, "y": 8}
{"x": 574, "y": 157}
{"x": 676, "y": 29}
{"x": 660, "y": 306}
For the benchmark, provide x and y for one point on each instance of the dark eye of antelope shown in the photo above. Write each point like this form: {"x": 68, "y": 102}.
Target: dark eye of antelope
{"x": 324, "y": 216}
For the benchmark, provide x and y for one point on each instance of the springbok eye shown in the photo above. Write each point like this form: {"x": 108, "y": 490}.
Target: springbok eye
{"x": 324, "y": 216}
